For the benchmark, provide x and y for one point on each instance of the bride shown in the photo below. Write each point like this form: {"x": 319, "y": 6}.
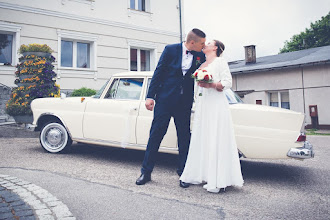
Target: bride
{"x": 213, "y": 156}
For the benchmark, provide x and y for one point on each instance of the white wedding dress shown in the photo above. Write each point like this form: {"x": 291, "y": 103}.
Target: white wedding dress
{"x": 213, "y": 156}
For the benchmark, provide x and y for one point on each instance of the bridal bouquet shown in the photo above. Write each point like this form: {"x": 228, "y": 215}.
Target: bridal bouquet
{"x": 201, "y": 75}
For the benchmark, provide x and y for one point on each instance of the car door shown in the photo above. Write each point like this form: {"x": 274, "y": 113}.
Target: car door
{"x": 143, "y": 125}
{"x": 112, "y": 118}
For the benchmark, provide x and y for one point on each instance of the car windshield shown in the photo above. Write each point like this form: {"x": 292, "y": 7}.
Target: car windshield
{"x": 232, "y": 97}
{"x": 99, "y": 93}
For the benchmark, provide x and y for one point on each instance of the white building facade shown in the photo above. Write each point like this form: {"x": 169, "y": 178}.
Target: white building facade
{"x": 299, "y": 81}
{"x": 91, "y": 39}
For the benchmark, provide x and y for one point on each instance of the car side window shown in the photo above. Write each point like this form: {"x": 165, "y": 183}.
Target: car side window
{"x": 126, "y": 88}
{"x": 111, "y": 93}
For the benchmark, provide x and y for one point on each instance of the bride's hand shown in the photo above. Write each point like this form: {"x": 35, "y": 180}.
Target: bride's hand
{"x": 206, "y": 85}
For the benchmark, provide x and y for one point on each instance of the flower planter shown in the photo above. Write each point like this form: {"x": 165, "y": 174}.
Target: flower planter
{"x": 39, "y": 54}
{"x": 23, "y": 119}
{"x": 26, "y": 76}
{"x": 26, "y": 84}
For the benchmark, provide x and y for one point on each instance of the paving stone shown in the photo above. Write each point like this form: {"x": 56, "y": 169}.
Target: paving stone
{"x": 20, "y": 190}
{"x": 44, "y": 195}
{"x": 43, "y": 212}
{"x": 41, "y": 206}
{"x": 6, "y": 215}
{"x": 62, "y": 211}
{"x": 8, "y": 184}
{"x": 5, "y": 194}
{"x": 55, "y": 203}
{"x": 50, "y": 199}
{"x": 22, "y": 183}
{"x": 32, "y": 187}
{"x": 5, "y": 209}
{"x": 3, "y": 205}
{"x": 3, "y": 176}
{"x": 27, "y": 218}
{"x": 13, "y": 187}
{"x": 21, "y": 208}
{"x": 30, "y": 199}
{"x": 46, "y": 217}
{"x": 67, "y": 218}
{"x": 25, "y": 195}
{"x": 12, "y": 198}
{"x": 24, "y": 213}
{"x": 17, "y": 203}
{"x": 10, "y": 178}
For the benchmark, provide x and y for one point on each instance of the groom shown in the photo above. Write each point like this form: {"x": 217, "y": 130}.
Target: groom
{"x": 172, "y": 89}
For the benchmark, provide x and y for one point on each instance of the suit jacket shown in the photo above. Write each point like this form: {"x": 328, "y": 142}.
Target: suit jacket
{"x": 168, "y": 84}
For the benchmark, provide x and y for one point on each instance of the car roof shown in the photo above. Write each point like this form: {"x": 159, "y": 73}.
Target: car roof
{"x": 134, "y": 73}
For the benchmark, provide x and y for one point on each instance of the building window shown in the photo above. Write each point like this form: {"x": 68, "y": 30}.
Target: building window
{"x": 9, "y": 43}
{"x": 77, "y": 51}
{"x": 279, "y": 99}
{"x": 140, "y": 5}
{"x": 139, "y": 60}
{"x": 75, "y": 54}
{"x": 6, "y": 49}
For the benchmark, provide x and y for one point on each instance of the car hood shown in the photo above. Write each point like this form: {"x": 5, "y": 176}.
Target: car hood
{"x": 70, "y": 103}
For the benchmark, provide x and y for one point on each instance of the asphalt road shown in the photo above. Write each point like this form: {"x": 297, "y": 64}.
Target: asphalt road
{"x": 99, "y": 183}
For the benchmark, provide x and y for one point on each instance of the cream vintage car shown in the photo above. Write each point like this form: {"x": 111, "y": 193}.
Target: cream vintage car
{"x": 116, "y": 116}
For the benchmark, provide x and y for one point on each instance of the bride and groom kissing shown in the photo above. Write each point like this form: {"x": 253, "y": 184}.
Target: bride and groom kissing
{"x": 208, "y": 154}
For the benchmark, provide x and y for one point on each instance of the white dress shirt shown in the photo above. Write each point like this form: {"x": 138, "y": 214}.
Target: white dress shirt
{"x": 186, "y": 60}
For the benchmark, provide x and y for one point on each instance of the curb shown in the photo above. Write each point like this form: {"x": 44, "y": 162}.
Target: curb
{"x": 44, "y": 205}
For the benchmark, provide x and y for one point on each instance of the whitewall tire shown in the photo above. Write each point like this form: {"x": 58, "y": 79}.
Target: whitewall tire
{"x": 54, "y": 138}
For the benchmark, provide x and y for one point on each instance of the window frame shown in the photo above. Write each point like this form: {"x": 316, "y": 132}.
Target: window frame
{"x": 140, "y": 45}
{"x": 136, "y": 6}
{"x": 78, "y": 38}
{"x": 15, "y": 30}
{"x": 118, "y": 79}
{"x": 279, "y": 97}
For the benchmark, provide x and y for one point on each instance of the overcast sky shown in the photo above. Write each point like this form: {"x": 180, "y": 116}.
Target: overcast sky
{"x": 264, "y": 23}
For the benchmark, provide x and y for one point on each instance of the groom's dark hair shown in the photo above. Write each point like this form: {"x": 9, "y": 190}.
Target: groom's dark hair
{"x": 195, "y": 35}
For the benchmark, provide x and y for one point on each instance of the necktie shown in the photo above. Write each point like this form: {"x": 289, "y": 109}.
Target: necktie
{"x": 188, "y": 51}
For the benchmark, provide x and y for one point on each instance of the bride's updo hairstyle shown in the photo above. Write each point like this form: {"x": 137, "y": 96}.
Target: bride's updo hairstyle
{"x": 221, "y": 47}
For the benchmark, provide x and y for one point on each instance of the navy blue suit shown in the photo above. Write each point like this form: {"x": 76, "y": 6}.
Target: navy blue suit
{"x": 173, "y": 93}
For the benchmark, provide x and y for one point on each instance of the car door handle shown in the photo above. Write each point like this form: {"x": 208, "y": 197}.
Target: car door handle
{"x": 134, "y": 109}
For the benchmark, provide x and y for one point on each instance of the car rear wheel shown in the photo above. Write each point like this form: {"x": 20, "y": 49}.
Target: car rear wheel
{"x": 54, "y": 138}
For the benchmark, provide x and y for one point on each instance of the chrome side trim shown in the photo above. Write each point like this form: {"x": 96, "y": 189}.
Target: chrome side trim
{"x": 123, "y": 145}
{"x": 304, "y": 152}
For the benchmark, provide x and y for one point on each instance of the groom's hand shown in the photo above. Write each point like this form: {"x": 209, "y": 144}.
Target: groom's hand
{"x": 150, "y": 104}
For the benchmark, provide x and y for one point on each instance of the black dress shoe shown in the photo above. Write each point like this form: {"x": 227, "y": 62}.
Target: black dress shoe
{"x": 184, "y": 185}
{"x": 143, "y": 179}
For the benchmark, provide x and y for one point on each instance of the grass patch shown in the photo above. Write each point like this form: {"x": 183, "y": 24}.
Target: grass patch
{"x": 316, "y": 132}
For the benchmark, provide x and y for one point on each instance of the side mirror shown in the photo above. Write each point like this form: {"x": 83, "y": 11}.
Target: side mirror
{"x": 63, "y": 95}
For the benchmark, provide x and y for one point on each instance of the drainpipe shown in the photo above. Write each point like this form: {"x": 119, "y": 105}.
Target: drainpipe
{"x": 180, "y": 17}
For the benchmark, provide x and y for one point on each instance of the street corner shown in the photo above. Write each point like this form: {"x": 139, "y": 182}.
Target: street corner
{"x": 22, "y": 199}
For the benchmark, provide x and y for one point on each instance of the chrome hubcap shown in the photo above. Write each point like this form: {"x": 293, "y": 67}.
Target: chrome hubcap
{"x": 54, "y": 136}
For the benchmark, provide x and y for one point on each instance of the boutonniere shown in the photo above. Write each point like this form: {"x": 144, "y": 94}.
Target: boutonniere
{"x": 198, "y": 61}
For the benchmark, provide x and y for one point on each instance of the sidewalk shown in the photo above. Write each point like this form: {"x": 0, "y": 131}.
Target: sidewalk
{"x": 22, "y": 199}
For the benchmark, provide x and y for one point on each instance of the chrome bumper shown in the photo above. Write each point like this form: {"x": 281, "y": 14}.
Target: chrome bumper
{"x": 303, "y": 152}
{"x": 30, "y": 127}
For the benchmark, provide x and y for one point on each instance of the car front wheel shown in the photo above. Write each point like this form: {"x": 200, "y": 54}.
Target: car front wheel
{"x": 54, "y": 138}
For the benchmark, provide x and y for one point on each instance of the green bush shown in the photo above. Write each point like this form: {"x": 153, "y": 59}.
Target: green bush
{"x": 83, "y": 92}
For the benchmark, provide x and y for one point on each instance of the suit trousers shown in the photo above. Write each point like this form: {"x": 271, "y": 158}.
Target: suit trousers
{"x": 162, "y": 116}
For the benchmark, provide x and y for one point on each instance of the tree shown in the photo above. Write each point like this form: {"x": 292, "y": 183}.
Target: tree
{"x": 317, "y": 35}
